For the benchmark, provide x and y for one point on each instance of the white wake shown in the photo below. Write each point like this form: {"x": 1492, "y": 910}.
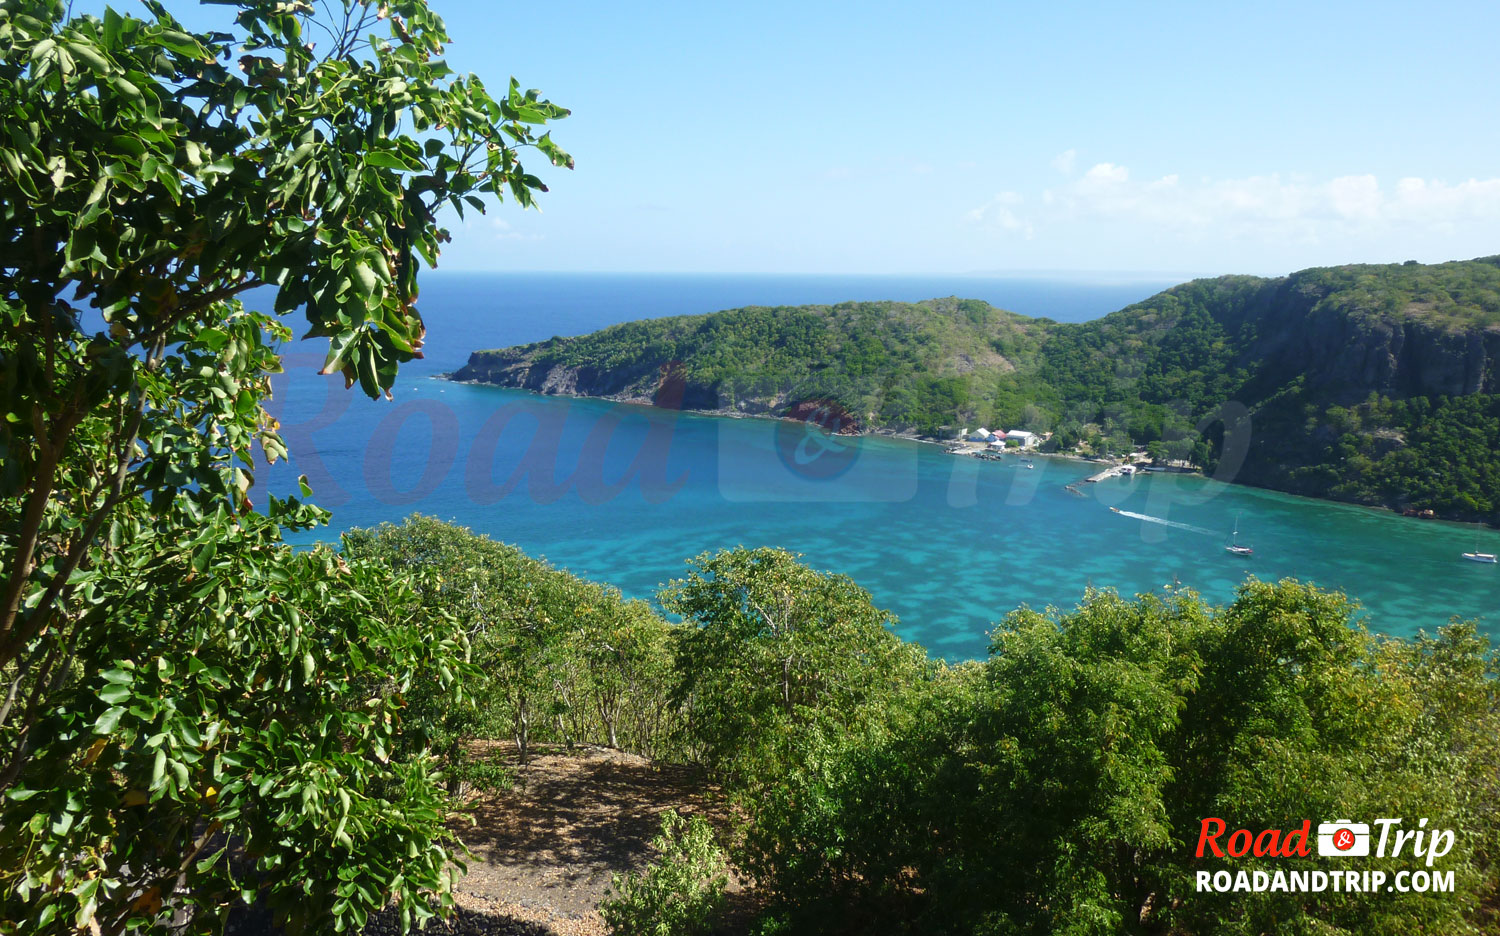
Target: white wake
{"x": 1169, "y": 523}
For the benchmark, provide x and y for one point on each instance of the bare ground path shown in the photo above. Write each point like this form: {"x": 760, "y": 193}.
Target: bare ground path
{"x": 543, "y": 851}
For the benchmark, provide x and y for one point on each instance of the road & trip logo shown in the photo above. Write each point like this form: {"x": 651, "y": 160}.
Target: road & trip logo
{"x": 1421, "y": 844}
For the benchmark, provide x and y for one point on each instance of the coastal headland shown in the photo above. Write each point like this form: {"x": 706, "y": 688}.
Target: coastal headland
{"x": 1368, "y": 384}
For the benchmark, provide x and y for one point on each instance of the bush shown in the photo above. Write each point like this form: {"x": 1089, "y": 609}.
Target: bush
{"x": 677, "y": 895}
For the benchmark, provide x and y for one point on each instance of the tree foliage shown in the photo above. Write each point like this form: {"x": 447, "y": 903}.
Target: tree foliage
{"x": 680, "y": 893}
{"x": 776, "y": 655}
{"x": 192, "y": 713}
{"x": 1060, "y": 787}
{"x": 558, "y": 658}
{"x": 228, "y": 729}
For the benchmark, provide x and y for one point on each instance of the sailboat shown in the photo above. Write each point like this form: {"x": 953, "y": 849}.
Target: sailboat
{"x": 1476, "y": 555}
{"x": 1233, "y": 546}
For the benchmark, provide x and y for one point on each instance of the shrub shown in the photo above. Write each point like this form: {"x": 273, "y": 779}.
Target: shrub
{"x": 677, "y": 895}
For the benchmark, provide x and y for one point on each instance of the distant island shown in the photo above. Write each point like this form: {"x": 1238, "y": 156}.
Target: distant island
{"x": 1371, "y": 384}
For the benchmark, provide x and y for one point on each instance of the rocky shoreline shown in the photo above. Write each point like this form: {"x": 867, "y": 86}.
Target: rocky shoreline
{"x": 766, "y": 412}
{"x": 905, "y": 436}
{"x": 724, "y": 413}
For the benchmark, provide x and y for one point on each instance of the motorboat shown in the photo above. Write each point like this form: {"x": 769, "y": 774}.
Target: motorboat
{"x": 1476, "y": 555}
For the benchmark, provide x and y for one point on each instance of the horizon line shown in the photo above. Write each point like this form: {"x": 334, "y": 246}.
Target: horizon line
{"x": 1037, "y": 273}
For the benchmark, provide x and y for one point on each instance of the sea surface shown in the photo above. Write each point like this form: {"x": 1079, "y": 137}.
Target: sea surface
{"x": 625, "y": 494}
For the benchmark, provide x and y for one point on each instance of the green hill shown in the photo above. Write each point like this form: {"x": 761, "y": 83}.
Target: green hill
{"x": 1372, "y": 384}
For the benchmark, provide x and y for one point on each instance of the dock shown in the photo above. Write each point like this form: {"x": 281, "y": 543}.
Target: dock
{"x": 1113, "y": 471}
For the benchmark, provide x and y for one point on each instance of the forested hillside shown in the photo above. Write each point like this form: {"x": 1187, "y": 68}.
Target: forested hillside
{"x": 1372, "y": 384}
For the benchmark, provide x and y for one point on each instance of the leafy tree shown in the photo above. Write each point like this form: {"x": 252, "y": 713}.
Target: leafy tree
{"x": 785, "y": 673}
{"x": 232, "y": 728}
{"x": 175, "y": 679}
{"x": 627, "y": 652}
{"x": 156, "y": 181}
{"x": 560, "y": 658}
{"x": 483, "y": 585}
{"x": 777, "y": 652}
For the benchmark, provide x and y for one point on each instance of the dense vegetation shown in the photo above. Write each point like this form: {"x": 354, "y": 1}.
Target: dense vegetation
{"x": 1374, "y": 384}
{"x": 192, "y": 714}
{"x": 554, "y": 657}
{"x": 1057, "y": 787}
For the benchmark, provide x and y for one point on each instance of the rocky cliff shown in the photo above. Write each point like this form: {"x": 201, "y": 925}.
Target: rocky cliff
{"x": 647, "y": 382}
{"x": 1397, "y": 349}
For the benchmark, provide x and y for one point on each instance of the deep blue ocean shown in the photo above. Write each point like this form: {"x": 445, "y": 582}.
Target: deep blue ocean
{"x": 625, "y": 494}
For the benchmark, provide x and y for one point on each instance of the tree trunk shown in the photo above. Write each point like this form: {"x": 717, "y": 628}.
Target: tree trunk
{"x": 523, "y": 731}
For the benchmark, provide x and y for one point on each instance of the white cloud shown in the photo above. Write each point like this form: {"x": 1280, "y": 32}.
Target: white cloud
{"x": 1105, "y": 174}
{"x": 1273, "y": 206}
{"x": 1063, "y": 162}
{"x": 492, "y": 227}
{"x": 999, "y": 213}
{"x": 1438, "y": 203}
{"x": 1355, "y": 197}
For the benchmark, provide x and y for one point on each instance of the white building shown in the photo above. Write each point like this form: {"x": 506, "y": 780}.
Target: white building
{"x": 1026, "y": 439}
{"x": 982, "y": 434}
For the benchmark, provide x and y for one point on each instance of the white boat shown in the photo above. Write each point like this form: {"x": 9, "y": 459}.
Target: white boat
{"x": 1233, "y": 546}
{"x": 1476, "y": 555}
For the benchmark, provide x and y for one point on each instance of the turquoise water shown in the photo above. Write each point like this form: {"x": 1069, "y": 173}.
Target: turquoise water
{"x": 625, "y": 494}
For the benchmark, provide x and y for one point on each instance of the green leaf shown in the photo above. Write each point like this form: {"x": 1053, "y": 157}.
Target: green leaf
{"x": 339, "y": 348}
{"x": 119, "y": 675}
{"x": 87, "y": 894}
{"x": 109, "y": 720}
{"x": 89, "y": 55}
{"x": 112, "y": 24}
{"x": 365, "y": 281}
{"x": 383, "y": 159}
{"x": 203, "y": 556}
{"x": 159, "y": 769}
{"x": 183, "y": 44}
{"x": 207, "y": 863}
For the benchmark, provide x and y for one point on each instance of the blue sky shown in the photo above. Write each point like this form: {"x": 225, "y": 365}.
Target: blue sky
{"x": 979, "y": 137}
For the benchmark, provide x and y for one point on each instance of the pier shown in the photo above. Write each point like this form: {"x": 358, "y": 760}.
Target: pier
{"x": 1114, "y": 471}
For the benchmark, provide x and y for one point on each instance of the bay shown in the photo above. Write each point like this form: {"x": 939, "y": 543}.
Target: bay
{"x": 625, "y": 494}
